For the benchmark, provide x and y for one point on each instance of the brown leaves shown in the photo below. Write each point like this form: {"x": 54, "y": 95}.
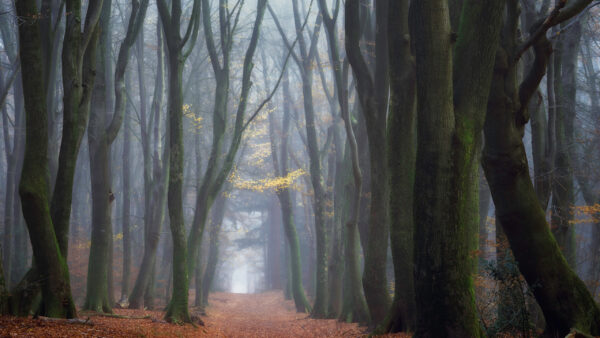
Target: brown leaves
{"x": 228, "y": 315}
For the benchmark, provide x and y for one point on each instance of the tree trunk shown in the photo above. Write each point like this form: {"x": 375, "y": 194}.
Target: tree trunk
{"x": 78, "y": 72}
{"x": 284, "y": 195}
{"x": 213, "y": 252}
{"x": 563, "y": 194}
{"x": 372, "y": 90}
{"x": 401, "y": 149}
{"x": 518, "y": 208}
{"x": 155, "y": 185}
{"x": 453, "y": 81}
{"x": 33, "y": 188}
{"x": 274, "y": 254}
{"x": 126, "y": 183}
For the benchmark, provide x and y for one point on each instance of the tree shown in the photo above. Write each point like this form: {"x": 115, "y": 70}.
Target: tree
{"x": 33, "y": 188}
{"x": 218, "y": 170}
{"x": 100, "y": 139}
{"x": 453, "y": 81}
{"x": 14, "y": 152}
{"x": 177, "y": 310}
{"x": 372, "y": 89}
{"x": 505, "y": 163}
{"x": 156, "y": 171}
{"x": 357, "y": 309}
{"x": 401, "y": 143}
{"x": 280, "y": 166}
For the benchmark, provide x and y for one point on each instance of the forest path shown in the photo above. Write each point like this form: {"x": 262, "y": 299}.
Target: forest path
{"x": 228, "y": 315}
{"x": 267, "y": 314}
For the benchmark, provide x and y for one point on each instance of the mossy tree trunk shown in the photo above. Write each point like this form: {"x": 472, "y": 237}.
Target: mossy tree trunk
{"x": 33, "y": 187}
{"x": 453, "y": 81}
{"x": 402, "y": 147}
{"x": 539, "y": 257}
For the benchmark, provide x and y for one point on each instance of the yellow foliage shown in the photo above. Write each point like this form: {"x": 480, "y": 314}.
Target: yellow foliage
{"x": 274, "y": 183}
{"x": 586, "y": 214}
{"x": 196, "y": 121}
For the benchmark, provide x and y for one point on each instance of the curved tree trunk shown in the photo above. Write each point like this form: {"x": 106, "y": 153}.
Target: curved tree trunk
{"x": 518, "y": 208}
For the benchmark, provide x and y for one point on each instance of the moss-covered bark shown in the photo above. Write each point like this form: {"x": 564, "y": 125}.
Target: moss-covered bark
{"x": 177, "y": 311}
{"x": 97, "y": 297}
{"x": 518, "y": 208}
{"x": 33, "y": 187}
{"x": 401, "y": 149}
{"x": 452, "y": 90}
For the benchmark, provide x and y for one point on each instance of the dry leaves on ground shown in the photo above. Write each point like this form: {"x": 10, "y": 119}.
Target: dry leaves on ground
{"x": 228, "y": 315}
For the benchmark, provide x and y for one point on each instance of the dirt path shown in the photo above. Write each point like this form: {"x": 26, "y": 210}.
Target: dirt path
{"x": 228, "y": 315}
{"x": 268, "y": 315}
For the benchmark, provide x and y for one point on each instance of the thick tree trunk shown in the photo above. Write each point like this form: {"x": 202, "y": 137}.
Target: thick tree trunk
{"x": 102, "y": 196}
{"x": 401, "y": 149}
{"x": 97, "y": 292}
{"x": 452, "y": 90}
{"x": 33, "y": 188}
{"x": 518, "y": 208}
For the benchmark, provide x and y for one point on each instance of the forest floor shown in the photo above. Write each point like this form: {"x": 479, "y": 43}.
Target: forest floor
{"x": 228, "y": 315}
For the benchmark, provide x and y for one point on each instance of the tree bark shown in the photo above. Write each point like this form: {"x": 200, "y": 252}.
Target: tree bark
{"x": 373, "y": 89}
{"x": 523, "y": 220}
{"x": 402, "y": 147}
{"x": 453, "y": 83}
{"x": 33, "y": 188}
